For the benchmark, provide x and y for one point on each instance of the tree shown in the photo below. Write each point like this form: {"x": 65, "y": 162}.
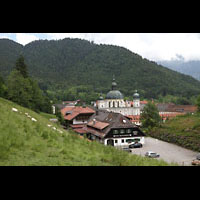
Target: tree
{"x": 3, "y": 89}
{"x": 19, "y": 89}
{"x": 21, "y": 66}
{"x": 198, "y": 103}
{"x": 150, "y": 116}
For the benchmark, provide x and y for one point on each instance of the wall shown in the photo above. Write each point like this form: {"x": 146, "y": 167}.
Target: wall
{"x": 119, "y": 143}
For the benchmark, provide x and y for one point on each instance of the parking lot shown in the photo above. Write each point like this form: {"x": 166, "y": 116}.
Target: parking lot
{"x": 167, "y": 151}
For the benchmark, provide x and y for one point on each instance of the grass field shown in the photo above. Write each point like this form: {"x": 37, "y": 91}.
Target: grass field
{"x": 24, "y": 142}
{"x": 182, "y": 130}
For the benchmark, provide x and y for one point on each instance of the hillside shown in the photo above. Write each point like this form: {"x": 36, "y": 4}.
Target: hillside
{"x": 61, "y": 64}
{"x": 181, "y": 130}
{"x": 191, "y": 68}
{"x": 24, "y": 142}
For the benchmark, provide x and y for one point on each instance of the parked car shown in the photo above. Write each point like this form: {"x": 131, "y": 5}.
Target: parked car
{"x": 135, "y": 145}
{"x": 198, "y": 156}
{"x": 196, "y": 162}
{"x": 152, "y": 154}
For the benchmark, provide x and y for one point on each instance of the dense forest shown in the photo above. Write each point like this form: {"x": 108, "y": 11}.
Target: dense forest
{"x": 74, "y": 68}
{"x": 23, "y": 90}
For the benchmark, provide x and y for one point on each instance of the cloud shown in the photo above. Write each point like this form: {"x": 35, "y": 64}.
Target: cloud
{"x": 153, "y": 46}
{"x": 25, "y": 38}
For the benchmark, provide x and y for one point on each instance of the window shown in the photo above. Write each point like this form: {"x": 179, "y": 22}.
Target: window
{"x": 129, "y": 140}
{"x": 122, "y": 131}
{"x": 128, "y": 130}
{"x": 135, "y": 132}
{"x": 122, "y": 140}
{"x": 116, "y": 141}
{"x": 115, "y": 131}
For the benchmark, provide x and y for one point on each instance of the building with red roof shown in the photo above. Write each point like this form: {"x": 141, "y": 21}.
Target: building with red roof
{"x": 77, "y": 117}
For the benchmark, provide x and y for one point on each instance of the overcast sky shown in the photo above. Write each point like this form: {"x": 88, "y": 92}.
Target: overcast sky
{"x": 153, "y": 46}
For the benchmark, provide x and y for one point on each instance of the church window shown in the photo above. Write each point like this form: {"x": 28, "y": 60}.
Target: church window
{"x": 109, "y": 104}
{"x": 118, "y": 104}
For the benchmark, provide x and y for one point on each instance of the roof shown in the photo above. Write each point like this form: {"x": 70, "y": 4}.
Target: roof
{"x": 98, "y": 124}
{"x": 105, "y": 121}
{"x": 114, "y": 94}
{"x": 80, "y": 130}
{"x": 75, "y": 126}
{"x": 74, "y": 111}
{"x": 170, "y": 107}
{"x": 143, "y": 102}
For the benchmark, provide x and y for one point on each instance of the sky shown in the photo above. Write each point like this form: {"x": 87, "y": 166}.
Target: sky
{"x": 152, "y": 46}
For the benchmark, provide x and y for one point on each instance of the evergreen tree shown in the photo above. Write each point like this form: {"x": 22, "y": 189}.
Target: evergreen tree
{"x": 21, "y": 66}
{"x": 19, "y": 89}
{"x": 150, "y": 116}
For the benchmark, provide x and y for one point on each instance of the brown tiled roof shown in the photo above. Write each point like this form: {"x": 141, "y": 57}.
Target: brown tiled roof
{"x": 74, "y": 126}
{"x": 98, "y": 124}
{"x": 170, "y": 107}
{"x": 67, "y": 109}
{"x": 75, "y": 111}
{"x": 93, "y": 131}
{"x": 115, "y": 120}
{"x": 80, "y": 130}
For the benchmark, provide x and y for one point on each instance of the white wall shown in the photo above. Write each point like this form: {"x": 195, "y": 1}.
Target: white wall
{"x": 75, "y": 121}
{"x": 119, "y": 143}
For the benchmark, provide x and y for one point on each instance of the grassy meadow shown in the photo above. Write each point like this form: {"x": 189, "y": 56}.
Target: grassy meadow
{"x": 24, "y": 142}
{"x": 183, "y": 130}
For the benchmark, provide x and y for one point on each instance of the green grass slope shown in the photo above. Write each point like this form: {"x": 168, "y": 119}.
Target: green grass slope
{"x": 24, "y": 142}
{"x": 181, "y": 130}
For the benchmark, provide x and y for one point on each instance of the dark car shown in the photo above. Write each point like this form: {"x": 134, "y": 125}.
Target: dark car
{"x": 135, "y": 145}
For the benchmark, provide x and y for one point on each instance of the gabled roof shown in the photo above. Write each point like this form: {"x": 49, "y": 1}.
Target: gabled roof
{"x": 98, "y": 124}
{"x": 107, "y": 121}
{"x": 74, "y": 111}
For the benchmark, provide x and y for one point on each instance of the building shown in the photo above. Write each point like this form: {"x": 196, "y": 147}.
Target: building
{"x": 114, "y": 129}
{"x": 77, "y": 117}
{"x": 114, "y": 102}
{"x": 170, "y": 110}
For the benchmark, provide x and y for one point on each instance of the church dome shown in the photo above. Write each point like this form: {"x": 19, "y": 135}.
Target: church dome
{"x": 114, "y": 94}
{"x": 136, "y": 95}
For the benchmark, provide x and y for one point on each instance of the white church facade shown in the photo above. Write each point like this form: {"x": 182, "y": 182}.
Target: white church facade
{"x": 114, "y": 102}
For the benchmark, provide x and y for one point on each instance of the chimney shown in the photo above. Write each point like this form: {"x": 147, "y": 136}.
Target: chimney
{"x": 94, "y": 120}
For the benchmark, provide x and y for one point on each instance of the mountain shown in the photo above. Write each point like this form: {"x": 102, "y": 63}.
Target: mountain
{"x": 24, "y": 142}
{"x": 191, "y": 68}
{"x": 61, "y": 64}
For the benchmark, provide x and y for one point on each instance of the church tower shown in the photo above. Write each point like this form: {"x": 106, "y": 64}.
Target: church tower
{"x": 136, "y": 103}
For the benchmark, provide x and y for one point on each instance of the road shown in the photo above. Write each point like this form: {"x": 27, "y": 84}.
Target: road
{"x": 167, "y": 151}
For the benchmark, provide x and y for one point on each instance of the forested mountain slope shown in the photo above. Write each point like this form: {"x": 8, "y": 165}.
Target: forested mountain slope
{"x": 60, "y": 64}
